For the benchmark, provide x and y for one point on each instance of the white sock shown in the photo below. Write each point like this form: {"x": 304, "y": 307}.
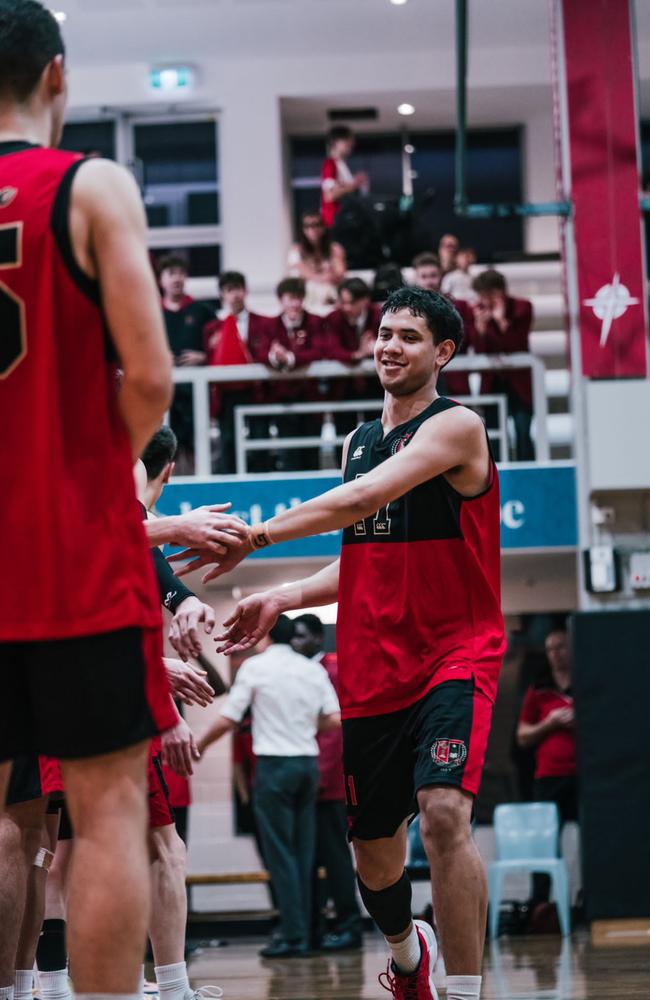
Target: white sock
{"x": 406, "y": 953}
{"x": 23, "y": 984}
{"x": 141, "y": 982}
{"x": 6, "y": 993}
{"x": 172, "y": 980}
{"x": 54, "y": 985}
{"x": 463, "y": 987}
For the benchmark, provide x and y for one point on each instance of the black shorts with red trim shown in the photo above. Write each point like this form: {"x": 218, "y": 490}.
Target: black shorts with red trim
{"x": 34, "y": 777}
{"x": 160, "y": 811}
{"x": 440, "y": 740}
{"x": 83, "y": 697}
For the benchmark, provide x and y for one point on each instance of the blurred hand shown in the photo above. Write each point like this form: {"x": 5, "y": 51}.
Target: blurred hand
{"x": 179, "y": 750}
{"x": 499, "y": 311}
{"x": 184, "y": 628}
{"x": 368, "y": 343}
{"x": 361, "y": 179}
{"x": 279, "y": 356}
{"x": 252, "y": 619}
{"x": 210, "y": 528}
{"x": 188, "y": 683}
{"x": 561, "y": 718}
{"x": 189, "y": 358}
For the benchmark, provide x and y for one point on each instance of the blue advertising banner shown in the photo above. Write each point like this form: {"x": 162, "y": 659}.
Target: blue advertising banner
{"x": 538, "y": 506}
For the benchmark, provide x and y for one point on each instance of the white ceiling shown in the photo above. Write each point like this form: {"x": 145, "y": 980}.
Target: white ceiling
{"x": 159, "y": 30}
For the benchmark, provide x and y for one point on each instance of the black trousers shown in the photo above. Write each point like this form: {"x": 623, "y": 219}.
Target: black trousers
{"x": 564, "y": 792}
{"x": 333, "y": 854}
{"x": 284, "y": 800}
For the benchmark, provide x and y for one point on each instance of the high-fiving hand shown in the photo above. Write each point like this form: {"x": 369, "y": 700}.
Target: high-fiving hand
{"x": 252, "y": 619}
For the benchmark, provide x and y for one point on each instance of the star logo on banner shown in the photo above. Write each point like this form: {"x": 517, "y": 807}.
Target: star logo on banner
{"x": 609, "y": 303}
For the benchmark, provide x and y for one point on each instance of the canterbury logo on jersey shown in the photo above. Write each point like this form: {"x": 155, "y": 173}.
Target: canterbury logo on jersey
{"x": 7, "y": 195}
{"x": 359, "y": 452}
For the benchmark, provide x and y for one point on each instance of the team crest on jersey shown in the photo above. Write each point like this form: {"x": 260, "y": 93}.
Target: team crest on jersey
{"x": 359, "y": 451}
{"x": 7, "y": 195}
{"x": 449, "y": 754}
{"x": 402, "y": 442}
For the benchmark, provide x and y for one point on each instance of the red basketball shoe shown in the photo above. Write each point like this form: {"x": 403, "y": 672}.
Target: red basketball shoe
{"x": 419, "y": 985}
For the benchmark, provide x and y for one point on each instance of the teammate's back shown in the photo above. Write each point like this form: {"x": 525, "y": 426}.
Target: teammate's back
{"x": 65, "y": 450}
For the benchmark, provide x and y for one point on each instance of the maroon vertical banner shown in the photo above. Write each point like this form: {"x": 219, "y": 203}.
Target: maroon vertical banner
{"x": 597, "y": 51}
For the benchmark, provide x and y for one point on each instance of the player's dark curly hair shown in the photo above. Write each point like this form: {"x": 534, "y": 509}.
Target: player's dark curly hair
{"x": 440, "y": 316}
{"x": 30, "y": 38}
{"x": 160, "y": 451}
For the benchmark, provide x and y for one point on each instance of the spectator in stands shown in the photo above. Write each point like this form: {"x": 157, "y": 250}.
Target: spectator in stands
{"x": 185, "y": 321}
{"x": 245, "y": 343}
{"x": 291, "y": 699}
{"x": 337, "y": 179}
{"x": 501, "y": 326}
{"x": 352, "y": 328}
{"x": 547, "y": 725}
{"x": 295, "y": 338}
{"x": 332, "y": 848}
{"x": 458, "y": 283}
{"x": 318, "y": 260}
{"x": 428, "y": 275}
{"x": 427, "y": 272}
{"x": 447, "y": 250}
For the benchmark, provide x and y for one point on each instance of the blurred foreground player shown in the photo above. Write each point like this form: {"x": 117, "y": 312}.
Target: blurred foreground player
{"x": 420, "y": 638}
{"x": 80, "y": 643}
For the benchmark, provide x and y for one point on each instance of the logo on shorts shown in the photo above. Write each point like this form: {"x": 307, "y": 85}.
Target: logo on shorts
{"x": 449, "y": 754}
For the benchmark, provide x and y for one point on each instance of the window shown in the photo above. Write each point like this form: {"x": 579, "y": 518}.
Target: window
{"x": 176, "y": 165}
{"x": 91, "y": 138}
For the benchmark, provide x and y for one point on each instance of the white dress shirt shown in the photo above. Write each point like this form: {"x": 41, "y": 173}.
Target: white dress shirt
{"x": 287, "y": 694}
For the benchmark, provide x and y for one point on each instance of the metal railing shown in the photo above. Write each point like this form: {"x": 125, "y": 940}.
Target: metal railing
{"x": 245, "y": 444}
{"x": 202, "y": 378}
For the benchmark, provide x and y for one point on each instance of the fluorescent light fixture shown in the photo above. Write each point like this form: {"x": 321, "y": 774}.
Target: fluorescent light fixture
{"x": 405, "y": 109}
{"x": 398, "y": 3}
{"x": 60, "y": 16}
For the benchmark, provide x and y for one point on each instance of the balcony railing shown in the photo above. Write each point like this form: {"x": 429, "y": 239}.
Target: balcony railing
{"x": 201, "y": 378}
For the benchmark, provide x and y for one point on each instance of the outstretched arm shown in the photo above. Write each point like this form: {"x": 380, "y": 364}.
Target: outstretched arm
{"x": 451, "y": 440}
{"x": 255, "y": 616}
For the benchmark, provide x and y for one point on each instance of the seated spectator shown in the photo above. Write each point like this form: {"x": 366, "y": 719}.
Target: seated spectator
{"x": 318, "y": 260}
{"x": 447, "y": 250}
{"x": 547, "y": 725}
{"x": 185, "y": 321}
{"x": 458, "y": 283}
{"x": 427, "y": 272}
{"x": 249, "y": 344}
{"x": 337, "y": 179}
{"x": 502, "y": 325}
{"x": 294, "y": 339}
{"x": 352, "y": 328}
{"x": 428, "y": 275}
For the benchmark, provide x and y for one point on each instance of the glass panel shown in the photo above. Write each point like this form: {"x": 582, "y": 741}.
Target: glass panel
{"x": 202, "y": 262}
{"x": 91, "y": 138}
{"x": 176, "y": 165}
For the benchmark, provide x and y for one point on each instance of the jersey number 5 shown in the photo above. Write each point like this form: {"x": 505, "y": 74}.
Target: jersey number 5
{"x": 13, "y": 341}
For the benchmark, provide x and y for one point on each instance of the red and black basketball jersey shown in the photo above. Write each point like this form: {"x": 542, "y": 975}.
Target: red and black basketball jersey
{"x": 419, "y": 591}
{"x": 75, "y": 560}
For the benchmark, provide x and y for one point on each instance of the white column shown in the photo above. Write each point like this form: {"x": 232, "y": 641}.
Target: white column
{"x": 541, "y": 235}
{"x": 254, "y": 190}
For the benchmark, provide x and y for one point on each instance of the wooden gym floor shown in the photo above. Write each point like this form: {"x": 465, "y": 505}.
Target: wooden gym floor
{"x": 524, "y": 968}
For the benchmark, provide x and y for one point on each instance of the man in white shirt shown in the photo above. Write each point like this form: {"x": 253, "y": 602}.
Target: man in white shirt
{"x": 291, "y": 699}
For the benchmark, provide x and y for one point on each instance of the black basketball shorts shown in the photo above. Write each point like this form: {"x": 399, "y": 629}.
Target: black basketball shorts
{"x": 440, "y": 740}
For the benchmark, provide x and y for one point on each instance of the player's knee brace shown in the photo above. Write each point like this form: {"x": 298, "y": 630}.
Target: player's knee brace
{"x": 390, "y": 908}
